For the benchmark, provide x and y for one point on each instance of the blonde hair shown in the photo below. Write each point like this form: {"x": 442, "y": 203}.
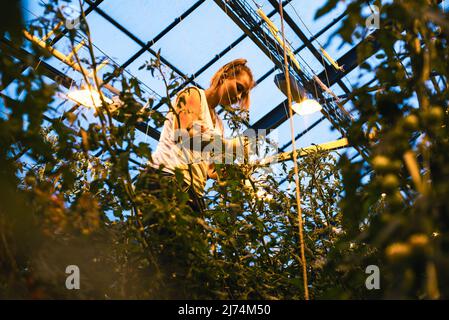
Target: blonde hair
{"x": 232, "y": 70}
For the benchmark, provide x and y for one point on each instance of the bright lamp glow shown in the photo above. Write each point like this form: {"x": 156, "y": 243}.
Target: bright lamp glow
{"x": 306, "y": 107}
{"x": 85, "y": 97}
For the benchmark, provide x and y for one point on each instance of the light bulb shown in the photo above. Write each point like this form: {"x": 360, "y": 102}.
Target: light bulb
{"x": 306, "y": 107}
{"x": 88, "y": 98}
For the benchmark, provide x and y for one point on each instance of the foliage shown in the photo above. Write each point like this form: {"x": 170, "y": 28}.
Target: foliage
{"x": 400, "y": 222}
{"x": 70, "y": 194}
{"x": 70, "y": 197}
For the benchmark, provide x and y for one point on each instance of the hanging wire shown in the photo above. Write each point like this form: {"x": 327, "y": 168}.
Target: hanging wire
{"x": 271, "y": 58}
{"x": 295, "y": 162}
{"x": 256, "y": 4}
{"x": 146, "y": 131}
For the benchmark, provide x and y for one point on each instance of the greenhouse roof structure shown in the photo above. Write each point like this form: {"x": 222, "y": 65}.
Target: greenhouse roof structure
{"x": 194, "y": 38}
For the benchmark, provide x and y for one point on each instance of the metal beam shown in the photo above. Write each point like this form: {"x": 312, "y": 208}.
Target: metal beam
{"x": 298, "y": 32}
{"x": 306, "y": 42}
{"x": 255, "y": 34}
{"x": 160, "y": 35}
{"x": 58, "y": 76}
{"x": 296, "y": 51}
{"x": 213, "y": 60}
{"x": 242, "y": 37}
{"x": 27, "y": 59}
{"x": 58, "y": 37}
{"x": 317, "y": 122}
{"x": 91, "y": 8}
{"x": 286, "y": 156}
{"x": 278, "y": 115}
{"x": 350, "y": 60}
{"x": 246, "y": 17}
{"x": 138, "y": 41}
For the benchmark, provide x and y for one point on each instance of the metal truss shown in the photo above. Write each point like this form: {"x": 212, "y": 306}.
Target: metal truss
{"x": 57, "y": 76}
{"x": 244, "y": 16}
{"x": 247, "y": 19}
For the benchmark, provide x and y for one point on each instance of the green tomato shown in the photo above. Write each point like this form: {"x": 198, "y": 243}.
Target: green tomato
{"x": 419, "y": 240}
{"x": 398, "y": 251}
{"x": 436, "y": 114}
{"x": 381, "y": 163}
{"x": 411, "y": 122}
{"x": 390, "y": 182}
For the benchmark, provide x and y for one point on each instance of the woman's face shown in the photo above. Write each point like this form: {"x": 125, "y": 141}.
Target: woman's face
{"x": 231, "y": 90}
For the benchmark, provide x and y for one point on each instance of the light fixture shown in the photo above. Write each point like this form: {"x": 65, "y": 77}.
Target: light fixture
{"x": 302, "y": 105}
{"x": 306, "y": 107}
{"x": 88, "y": 98}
